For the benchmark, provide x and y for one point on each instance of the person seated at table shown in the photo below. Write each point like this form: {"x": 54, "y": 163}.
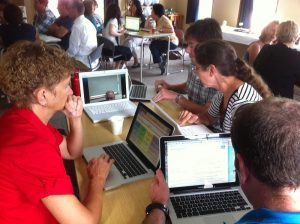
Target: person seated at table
{"x": 199, "y": 97}
{"x": 267, "y": 36}
{"x": 268, "y": 169}
{"x": 62, "y": 26}
{"x": 159, "y": 47}
{"x": 34, "y": 186}
{"x": 15, "y": 29}
{"x": 133, "y": 42}
{"x": 83, "y": 38}
{"x": 3, "y": 3}
{"x": 43, "y": 17}
{"x": 278, "y": 64}
{"x": 112, "y": 30}
{"x": 218, "y": 66}
{"x": 89, "y": 13}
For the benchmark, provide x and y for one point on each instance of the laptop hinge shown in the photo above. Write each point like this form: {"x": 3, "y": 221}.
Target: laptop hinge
{"x": 200, "y": 189}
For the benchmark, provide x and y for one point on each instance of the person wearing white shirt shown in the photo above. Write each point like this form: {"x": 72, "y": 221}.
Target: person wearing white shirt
{"x": 112, "y": 30}
{"x": 83, "y": 39}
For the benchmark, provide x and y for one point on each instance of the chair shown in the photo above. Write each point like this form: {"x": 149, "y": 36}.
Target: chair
{"x": 96, "y": 54}
{"x": 180, "y": 49}
{"x": 108, "y": 50}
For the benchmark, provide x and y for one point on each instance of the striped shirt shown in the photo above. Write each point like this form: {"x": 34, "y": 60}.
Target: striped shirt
{"x": 243, "y": 95}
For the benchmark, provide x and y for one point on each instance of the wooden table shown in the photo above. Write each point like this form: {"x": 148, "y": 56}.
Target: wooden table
{"x": 125, "y": 204}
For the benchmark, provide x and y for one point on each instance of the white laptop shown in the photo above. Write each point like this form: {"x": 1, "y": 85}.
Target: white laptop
{"x": 140, "y": 92}
{"x": 105, "y": 94}
{"x": 132, "y": 24}
{"x": 201, "y": 176}
{"x": 136, "y": 158}
{"x": 188, "y": 130}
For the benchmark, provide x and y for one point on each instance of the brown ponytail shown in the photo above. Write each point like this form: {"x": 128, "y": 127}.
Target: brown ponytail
{"x": 223, "y": 56}
{"x": 247, "y": 74}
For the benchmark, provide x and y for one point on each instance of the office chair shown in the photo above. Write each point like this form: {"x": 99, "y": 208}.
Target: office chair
{"x": 96, "y": 54}
{"x": 108, "y": 50}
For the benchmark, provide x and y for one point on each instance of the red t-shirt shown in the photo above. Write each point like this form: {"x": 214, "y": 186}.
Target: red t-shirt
{"x": 31, "y": 168}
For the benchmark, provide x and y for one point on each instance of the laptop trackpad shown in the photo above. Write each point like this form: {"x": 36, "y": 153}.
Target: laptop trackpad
{"x": 219, "y": 219}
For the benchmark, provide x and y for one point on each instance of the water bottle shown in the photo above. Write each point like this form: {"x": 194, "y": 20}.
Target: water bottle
{"x": 75, "y": 83}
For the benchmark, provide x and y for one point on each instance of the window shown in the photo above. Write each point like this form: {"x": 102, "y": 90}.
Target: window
{"x": 263, "y": 13}
{"x": 205, "y": 9}
{"x": 52, "y": 5}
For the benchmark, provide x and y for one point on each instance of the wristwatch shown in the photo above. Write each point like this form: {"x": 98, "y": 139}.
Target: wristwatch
{"x": 159, "y": 206}
{"x": 177, "y": 98}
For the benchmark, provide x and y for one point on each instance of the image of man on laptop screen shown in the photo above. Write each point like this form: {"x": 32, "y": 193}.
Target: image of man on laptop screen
{"x": 99, "y": 89}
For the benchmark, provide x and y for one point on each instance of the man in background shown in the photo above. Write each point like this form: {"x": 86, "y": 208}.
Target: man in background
{"x": 43, "y": 17}
{"x": 83, "y": 39}
{"x": 62, "y": 26}
{"x": 266, "y": 139}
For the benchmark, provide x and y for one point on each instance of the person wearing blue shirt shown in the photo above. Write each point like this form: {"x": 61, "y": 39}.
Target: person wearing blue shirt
{"x": 265, "y": 136}
{"x": 89, "y": 13}
{"x": 62, "y": 26}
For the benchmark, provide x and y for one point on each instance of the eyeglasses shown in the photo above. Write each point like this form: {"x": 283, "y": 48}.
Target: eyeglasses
{"x": 195, "y": 68}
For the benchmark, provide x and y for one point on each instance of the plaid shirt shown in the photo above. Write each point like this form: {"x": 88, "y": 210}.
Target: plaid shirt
{"x": 195, "y": 89}
{"x": 42, "y": 21}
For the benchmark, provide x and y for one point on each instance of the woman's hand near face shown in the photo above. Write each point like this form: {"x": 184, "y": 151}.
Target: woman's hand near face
{"x": 73, "y": 107}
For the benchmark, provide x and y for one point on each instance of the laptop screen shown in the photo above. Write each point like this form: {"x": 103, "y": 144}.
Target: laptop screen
{"x": 132, "y": 23}
{"x": 145, "y": 132}
{"x": 198, "y": 162}
{"x": 103, "y": 86}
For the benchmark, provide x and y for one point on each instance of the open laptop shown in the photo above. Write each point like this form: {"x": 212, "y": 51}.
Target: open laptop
{"x": 140, "y": 92}
{"x": 106, "y": 94}
{"x": 204, "y": 188}
{"x": 132, "y": 24}
{"x": 188, "y": 130}
{"x": 137, "y": 157}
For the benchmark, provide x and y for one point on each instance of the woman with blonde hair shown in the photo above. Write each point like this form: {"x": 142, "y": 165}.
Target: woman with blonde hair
{"x": 267, "y": 36}
{"x": 219, "y": 67}
{"x": 278, "y": 64}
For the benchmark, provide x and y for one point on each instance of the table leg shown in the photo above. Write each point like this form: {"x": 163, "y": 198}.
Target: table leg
{"x": 142, "y": 60}
{"x": 169, "y": 40}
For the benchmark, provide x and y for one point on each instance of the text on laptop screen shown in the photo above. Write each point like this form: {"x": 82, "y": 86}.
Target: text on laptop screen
{"x": 132, "y": 23}
{"x": 145, "y": 134}
{"x": 103, "y": 88}
{"x": 212, "y": 162}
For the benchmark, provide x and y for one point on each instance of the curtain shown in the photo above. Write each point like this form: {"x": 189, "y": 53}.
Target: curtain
{"x": 192, "y": 11}
{"x": 246, "y": 8}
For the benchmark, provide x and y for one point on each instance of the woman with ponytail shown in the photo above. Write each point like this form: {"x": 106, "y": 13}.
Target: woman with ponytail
{"x": 219, "y": 67}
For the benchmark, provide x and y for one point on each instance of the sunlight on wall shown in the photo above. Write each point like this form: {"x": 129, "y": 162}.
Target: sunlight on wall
{"x": 263, "y": 13}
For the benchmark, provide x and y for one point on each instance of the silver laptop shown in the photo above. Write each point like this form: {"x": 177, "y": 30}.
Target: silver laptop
{"x": 106, "y": 94}
{"x": 132, "y": 24}
{"x": 137, "y": 157}
{"x": 188, "y": 130}
{"x": 140, "y": 92}
{"x": 204, "y": 188}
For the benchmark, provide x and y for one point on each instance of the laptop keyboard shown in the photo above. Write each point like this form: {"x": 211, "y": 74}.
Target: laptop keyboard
{"x": 209, "y": 203}
{"x": 138, "y": 91}
{"x": 110, "y": 108}
{"x": 124, "y": 161}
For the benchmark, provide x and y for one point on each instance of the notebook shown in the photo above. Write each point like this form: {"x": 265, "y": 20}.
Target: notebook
{"x": 106, "y": 94}
{"x": 141, "y": 149}
{"x": 188, "y": 130}
{"x": 203, "y": 189}
{"x": 140, "y": 92}
{"x": 132, "y": 23}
